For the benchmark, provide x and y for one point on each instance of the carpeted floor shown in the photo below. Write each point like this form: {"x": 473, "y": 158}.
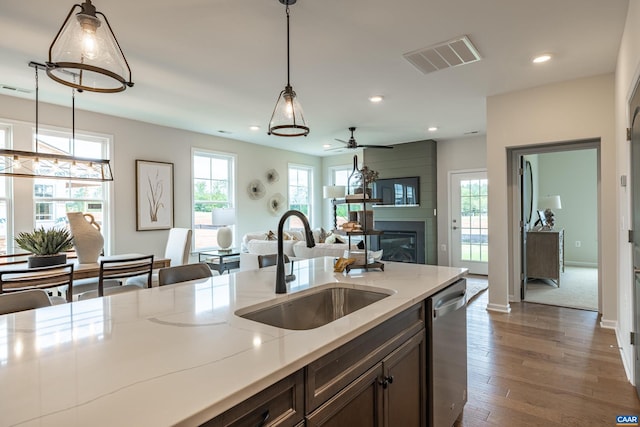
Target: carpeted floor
{"x": 578, "y": 289}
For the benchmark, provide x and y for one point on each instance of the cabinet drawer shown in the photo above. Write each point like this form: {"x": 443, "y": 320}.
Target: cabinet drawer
{"x": 279, "y": 405}
{"x": 332, "y": 372}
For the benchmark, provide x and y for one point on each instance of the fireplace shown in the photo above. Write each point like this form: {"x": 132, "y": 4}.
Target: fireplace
{"x": 402, "y": 241}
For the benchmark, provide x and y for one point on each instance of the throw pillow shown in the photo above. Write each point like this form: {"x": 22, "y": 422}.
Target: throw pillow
{"x": 334, "y": 238}
{"x": 272, "y": 236}
{"x": 322, "y": 236}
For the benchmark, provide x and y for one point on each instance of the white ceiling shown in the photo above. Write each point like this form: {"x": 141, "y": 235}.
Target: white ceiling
{"x": 219, "y": 65}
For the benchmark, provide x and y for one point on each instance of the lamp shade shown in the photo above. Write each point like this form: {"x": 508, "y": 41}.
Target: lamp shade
{"x": 223, "y": 216}
{"x": 550, "y": 202}
{"x": 333, "y": 191}
{"x": 86, "y": 55}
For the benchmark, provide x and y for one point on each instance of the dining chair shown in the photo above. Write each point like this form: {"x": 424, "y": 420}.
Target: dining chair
{"x": 183, "y": 273}
{"x": 176, "y": 249}
{"x": 115, "y": 269}
{"x": 270, "y": 259}
{"x": 24, "y": 300}
{"x": 39, "y": 278}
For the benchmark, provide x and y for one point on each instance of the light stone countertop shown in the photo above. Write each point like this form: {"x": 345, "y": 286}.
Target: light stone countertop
{"x": 178, "y": 354}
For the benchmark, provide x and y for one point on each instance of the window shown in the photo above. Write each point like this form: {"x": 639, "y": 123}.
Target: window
{"x": 49, "y": 200}
{"x": 340, "y": 176}
{"x": 300, "y": 190}
{"x": 213, "y": 188}
{"x": 53, "y": 198}
{"x": 5, "y": 137}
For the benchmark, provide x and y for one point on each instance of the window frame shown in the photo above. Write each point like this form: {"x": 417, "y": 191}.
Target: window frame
{"x": 309, "y": 172}
{"x": 20, "y": 198}
{"x": 232, "y": 171}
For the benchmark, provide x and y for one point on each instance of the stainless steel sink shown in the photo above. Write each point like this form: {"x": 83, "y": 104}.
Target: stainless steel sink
{"x": 314, "y": 308}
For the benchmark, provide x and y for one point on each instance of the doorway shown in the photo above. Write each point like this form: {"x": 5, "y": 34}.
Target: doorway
{"x": 469, "y": 221}
{"x": 559, "y": 264}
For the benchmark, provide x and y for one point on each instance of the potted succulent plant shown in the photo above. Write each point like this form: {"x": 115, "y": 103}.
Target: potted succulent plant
{"x": 46, "y": 246}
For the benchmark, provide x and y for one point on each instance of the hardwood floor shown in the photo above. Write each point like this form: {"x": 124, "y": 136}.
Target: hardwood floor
{"x": 543, "y": 365}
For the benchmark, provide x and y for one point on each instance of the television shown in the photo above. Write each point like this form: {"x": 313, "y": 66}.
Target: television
{"x": 398, "y": 191}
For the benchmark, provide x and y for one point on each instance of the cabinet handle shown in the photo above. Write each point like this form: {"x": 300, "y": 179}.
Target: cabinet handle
{"x": 386, "y": 381}
{"x": 265, "y": 417}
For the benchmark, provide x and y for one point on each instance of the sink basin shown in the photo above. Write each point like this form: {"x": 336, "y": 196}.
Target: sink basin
{"x": 314, "y": 308}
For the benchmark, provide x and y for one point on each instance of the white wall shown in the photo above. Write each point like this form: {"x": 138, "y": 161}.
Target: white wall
{"x": 455, "y": 155}
{"x": 137, "y": 140}
{"x": 581, "y": 109}
{"x": 573, "y": 176}
{"x": 627, "y": 72}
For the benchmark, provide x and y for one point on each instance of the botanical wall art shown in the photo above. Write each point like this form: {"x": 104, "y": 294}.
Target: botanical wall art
{"x": 154, "y": 195}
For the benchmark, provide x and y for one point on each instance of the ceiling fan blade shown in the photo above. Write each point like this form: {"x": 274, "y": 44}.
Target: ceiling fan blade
{"x": 388, "y": 147}
{"x": 337, "y": 149}
{"x": 340, "y": 140}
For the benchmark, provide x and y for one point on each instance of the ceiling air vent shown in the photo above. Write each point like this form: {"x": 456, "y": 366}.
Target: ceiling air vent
{"x": 459, "y": 51}
{"x": 14, "y": 89}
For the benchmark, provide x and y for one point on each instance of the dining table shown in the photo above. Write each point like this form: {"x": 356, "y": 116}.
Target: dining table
{"x": 90, "y": 270}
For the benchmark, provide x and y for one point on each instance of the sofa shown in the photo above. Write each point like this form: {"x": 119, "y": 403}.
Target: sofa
{"x": 293, "y": 245}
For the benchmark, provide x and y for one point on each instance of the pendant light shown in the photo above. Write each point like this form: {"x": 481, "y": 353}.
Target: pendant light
{"x": 287, "y": 118}
{"x": 86, "y": 55}
{"x": 50, "y": 164}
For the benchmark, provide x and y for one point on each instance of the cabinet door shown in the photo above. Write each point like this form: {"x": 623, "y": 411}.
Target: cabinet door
{"x": 404, "y": 383}
{"x": 359, "y": 404}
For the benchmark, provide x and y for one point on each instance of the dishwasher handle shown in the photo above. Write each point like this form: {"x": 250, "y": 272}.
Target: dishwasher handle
{"x": 450, "y": 306}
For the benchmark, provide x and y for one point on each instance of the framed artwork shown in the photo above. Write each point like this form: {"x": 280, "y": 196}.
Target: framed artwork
{"x": 154, "y": 195}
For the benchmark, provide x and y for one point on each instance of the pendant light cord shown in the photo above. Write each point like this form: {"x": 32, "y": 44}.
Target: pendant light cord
{"x": 288, "y": 66}
{"x": 37, "y": 103}
{"x": 73, "y": 116}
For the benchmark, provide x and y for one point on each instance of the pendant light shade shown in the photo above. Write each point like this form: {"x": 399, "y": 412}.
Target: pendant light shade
{"x": 287, "y": 118}
{"x": 85, "y": 53}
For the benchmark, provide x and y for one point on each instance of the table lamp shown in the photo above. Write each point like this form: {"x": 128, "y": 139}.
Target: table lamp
{"x": 549, "y": 203}
{"x": 223, "y": 218}
{"x": 334, "y": 192}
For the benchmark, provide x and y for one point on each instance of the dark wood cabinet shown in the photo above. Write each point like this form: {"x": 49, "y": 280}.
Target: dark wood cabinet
{"x": 377, "y": 379}
{"x": 281, "y": 405}
{"x": 405, "y": 395}
{"x": 391, "y": 393}
{"x": 359, "y": 404}
{"x": 545, "y": 254}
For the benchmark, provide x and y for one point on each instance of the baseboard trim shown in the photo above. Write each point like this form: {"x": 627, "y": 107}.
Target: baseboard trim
{"x": 581, "y": 264}
{"x": 499, "y": 308}
{"x": 625, "y": 362}
{"x": 609, "y": 324}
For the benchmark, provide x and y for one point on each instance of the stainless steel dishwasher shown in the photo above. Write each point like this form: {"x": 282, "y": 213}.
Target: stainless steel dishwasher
{"x": 447, "y": 340}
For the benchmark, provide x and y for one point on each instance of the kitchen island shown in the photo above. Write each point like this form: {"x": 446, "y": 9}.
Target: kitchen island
{"x": 178, "y": 355}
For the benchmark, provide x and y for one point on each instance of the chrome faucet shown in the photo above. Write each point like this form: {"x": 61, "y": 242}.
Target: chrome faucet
{"x": 281, "y": 280}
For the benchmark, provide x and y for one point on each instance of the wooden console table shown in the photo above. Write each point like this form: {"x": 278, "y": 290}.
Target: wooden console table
{"x": 545, "y": 254}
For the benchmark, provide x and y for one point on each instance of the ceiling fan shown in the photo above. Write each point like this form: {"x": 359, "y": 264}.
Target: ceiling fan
{"x": 352, "y": 144}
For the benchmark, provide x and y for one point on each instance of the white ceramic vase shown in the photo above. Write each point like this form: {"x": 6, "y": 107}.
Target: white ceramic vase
{"x": 87, "y": 238}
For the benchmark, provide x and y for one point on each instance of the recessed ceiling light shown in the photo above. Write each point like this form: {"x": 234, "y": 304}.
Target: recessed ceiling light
{"x": 542, "y": 58}
{"x": 326, "y": 146}
{"x": 254, "y": 127}
{"x": 432, "y": 129}
{"x": 376, "y": 98}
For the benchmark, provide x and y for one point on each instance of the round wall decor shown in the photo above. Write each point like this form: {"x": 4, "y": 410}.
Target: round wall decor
{"x": 272, "y": 176}
{"x": 256, "y": 189}
{"x": 276, "y": 203}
